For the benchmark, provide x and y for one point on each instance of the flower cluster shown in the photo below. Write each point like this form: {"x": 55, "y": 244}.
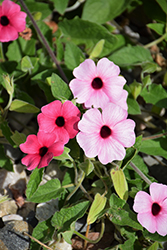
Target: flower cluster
{"x": 12, "y": 21}
{"x": 152, "y": 209}
{"x": 104, "y": 134}
{"x": 57, "y": 124}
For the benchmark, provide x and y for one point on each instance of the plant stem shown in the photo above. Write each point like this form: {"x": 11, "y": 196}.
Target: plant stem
{"x": 1, "y": 53}
{"x": 156, "y": 41}
{"x": 139, "y": 172}
{"x": 40, "y": 243}
{"x": 44, "y": 41}
{"x": 93, "y": 241}
{"x": 86, "y": 235}
{"x": 154, "y": 136}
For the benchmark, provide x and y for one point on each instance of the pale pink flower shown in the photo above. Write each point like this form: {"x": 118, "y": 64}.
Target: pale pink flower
{"x": 60, "y": 119}
{"x": 12, "y": 21}
{"x": 152, "y": 209}
{"x": 106, "y": 134}
{"x": 40, "y": 150}
{"x": 98, "y": 85}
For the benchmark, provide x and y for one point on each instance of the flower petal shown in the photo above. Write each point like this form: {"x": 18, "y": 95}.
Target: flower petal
{"x": 158, "y": 192}
{"x": 70, "y": 110}
{"x": 148, "y": 221}
{"x": 142, "y": 202}
{"x": 161, "y": 220}
{"x": 44, "y": 162}
{"x": 9, "y": 7}
{"x": 89, "y": 143}
{"x": 56, "y": 148}
{"x": 46, "y": 123}
{"x": 112, "y": 114}
{"x": 46, "y": 139}
{"x": 86, "y": 71}
{"x": 71, "y": 125}
{"x": 91, "y": 121}
{"x": 107, "y": 69}
{"x": 8, "y": 33}
{"x": 17, "y": 20}
{"x": 122, "y": 102}
{"x": 110, "y": 150}
{"x": 31, "y": 146}
{"x": 81, "y": 90}
{"x": 124, "y": 132}
{"x": 53, "y": 109}
{"x": 31, "y": 161}
{"x": 97, "y": 99}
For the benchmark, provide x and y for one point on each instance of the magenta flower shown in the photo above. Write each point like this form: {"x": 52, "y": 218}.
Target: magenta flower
{"x": 98, "y": 85}
{"x": 106, "y": 134}
{"x": 60, "y": 119}
{"x": 40, "y": 150}
{"x": 152, "y": 209}
{"x": 12, "y": 21}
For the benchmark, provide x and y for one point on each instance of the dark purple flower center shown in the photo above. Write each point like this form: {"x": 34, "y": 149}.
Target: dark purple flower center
{"x": 4, "y": 21}
{"x": 43, "y": 151}
{"x": 60, "y": 121}
{"x": 105, "y": 132}
{"x": 155, "y": 208}
{"x": 97, "y": 83}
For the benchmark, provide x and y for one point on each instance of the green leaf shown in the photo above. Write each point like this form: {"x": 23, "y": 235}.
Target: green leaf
{"x": 154, "y": 246}
{"x": 133, "y": 106}
{"x": 120, "y": 183}
{"x": 20, "y": 47}
{"x": 96, "y": 207}
{"x": 50, "y": 190}
{"x": 18, "y": 138}
{"x": 34, "y": 7}
{"x": 120, "y": 213}
{"x": 155, "y": 147}
{"x": 135, "y": 88}
{"x": 8, "y": 84}
{"x": 5, "y": 162}
{"x": 97, "y": 50}
{"x": 64, "y": 156}
{"x": 87, "y": 166}
{"x": 88, "y": 33}
{"x": 163, "y": 5}
{"x": 60, "y": 6}
{"x": 6, "y": 131}
{"x": 131, "y": 55}
{"x": 34, "y": 181}
{"x": 155, "y": 94}
{"x": 103, "y": 11}
{"x": 154, "y": 237}
{"x": 59, "y": 88}
{"x": 23, "y": 107}
{"x": 26, "y": 64}
{"x": 42, "y": 232}
{"x": 157, "y": 27}
{"x": 63, "y": 219}
{"x": 73, "y": 56}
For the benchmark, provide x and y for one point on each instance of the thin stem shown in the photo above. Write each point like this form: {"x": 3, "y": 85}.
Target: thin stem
{"x": 154, "y": 136}
{"x": 155, "y": 41}
{"x": 86, "y": 193}
{"x": 40, "y": 243}
{"x": 44, "y": 41}
{"x": 86, "y": 235}
{"x": 93, "y": 241}
{"x": 1, "y": 53}
{"x": 138, "y": 171}
{"x": 75, "y": 6}
{"x": 76, "y": 188}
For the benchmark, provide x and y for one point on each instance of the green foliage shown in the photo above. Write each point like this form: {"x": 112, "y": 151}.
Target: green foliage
{"x": 60, "y": 6}
{"x": 23, "y": 107}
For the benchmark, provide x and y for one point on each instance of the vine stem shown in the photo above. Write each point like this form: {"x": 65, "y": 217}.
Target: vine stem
{"x": 44, "y": 41}
{"x": 39, "y": 242}
{"x": 154, "y": 136}
{"x": 93, "y": 241}
{"x": 139, "y": 172}
{"x": 156, "y": 41}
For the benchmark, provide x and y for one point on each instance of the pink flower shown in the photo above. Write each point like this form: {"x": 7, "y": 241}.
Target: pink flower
{"x": 106, "y": 134}
{"x": 12, "y": 21}
{"x": 40, "y": 149}
{"x": 60, "y": 119}
{"x": 152, "y": 209}
{"x": 98, "y": 85}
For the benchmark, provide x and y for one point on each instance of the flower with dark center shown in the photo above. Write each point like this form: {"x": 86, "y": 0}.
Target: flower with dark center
{"x": 40, "y": 150}
{"x": 152, "y": 209}
{"x": 60, "y": 119}
{"x": 98, "y": 85}
{"x": 106, "y": 134}
{"x": 12, "y": 21}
